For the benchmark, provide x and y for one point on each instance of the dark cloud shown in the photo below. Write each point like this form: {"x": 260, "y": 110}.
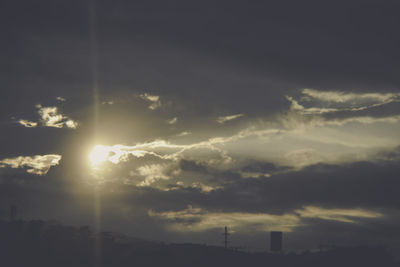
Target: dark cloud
{"x": 259, "y": 166}
{"x": 358, "y": 185}
{"x": 150, "y": 46}
{"x": 187, "y": 165}
{"x": 203, "y": 60}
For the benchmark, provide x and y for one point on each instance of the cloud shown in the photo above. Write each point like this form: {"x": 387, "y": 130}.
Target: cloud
{"x": 363, "y": 120}
{"x": 153, "y": 99}
{"x": 293, "y": 140}
{"x": 152, "y": 173}
{"x": 172, "y": 121}
{"x": 61, "y": 99}
{"x": 205, "y": 188}
{"x": 198, "y": 219}
{"x": 341, "y": 215}
{"x": 223, "y": 119}
{"x": 190, "y": 187}
{"x": 206, "y": 72}
{"x": 183, "y": 133}
{"x": 39, "y": 164}
{"x": 299, "y": 108}
{"x": 171, "y": 151}
{"x": 345, "y": 193}
{"x": 298, "y": 145}
{"x": 298, "y": 122}
{"x": 304, "y": 157}
{"x": 366, "y": 185}
{"x": 28, "y": 124}
{"x": 337, "y": 101}
{"x": 353, "y": 98}
{"x": 51, "y": 118}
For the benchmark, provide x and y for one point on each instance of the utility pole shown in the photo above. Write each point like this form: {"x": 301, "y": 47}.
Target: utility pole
{"x": 226, "y": 237}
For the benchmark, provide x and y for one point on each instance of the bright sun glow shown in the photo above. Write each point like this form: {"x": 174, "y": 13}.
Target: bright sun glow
{"x": 99, "y": 154}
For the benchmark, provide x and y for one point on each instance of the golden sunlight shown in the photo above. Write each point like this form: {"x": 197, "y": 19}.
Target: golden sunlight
{"x": 99, "y": 154}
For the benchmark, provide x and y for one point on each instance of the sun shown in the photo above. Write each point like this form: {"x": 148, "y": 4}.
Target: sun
{"x": 99, "y": 154}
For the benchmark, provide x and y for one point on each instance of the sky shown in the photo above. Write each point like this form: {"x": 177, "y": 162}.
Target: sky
{"x": 168, "y": 120}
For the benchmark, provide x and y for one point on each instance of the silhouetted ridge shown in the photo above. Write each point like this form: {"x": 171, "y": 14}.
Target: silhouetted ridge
{"x": 50, "y": 244}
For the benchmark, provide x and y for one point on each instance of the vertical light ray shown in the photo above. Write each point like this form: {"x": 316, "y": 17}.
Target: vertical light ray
{"x": 97, "y": 226}
{"x": 95, "y": 91}
{"x": 94, "y": 62}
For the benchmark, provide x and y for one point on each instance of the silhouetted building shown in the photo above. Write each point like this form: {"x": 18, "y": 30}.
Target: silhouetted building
{"x": 13, "y": 213}
{"x": 276, "y": 241}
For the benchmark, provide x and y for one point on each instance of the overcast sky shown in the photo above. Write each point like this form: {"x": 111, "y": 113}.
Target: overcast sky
{"x": 186, "y": 116}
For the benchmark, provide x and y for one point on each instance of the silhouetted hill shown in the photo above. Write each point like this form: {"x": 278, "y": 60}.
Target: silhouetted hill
{"x": 45, "y": 244}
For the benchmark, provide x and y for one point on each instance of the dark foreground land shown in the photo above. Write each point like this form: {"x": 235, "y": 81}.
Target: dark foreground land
{"x": 45, "y": 244}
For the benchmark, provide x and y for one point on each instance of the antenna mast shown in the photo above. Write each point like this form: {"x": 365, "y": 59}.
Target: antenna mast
{"x": 226, "y": 233}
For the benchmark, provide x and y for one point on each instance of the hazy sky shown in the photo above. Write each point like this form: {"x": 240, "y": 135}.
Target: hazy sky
{"x": 186, "y": 116}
